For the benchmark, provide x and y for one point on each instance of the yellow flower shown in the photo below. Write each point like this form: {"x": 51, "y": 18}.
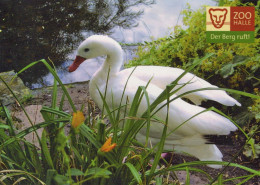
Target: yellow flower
{"x": 77, "y": 119}
{"x": 107, "y": 145}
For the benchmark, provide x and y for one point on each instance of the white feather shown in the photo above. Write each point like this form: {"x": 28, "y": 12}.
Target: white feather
{"x": 162, "y": 76}
{"x": 186, "y": 139}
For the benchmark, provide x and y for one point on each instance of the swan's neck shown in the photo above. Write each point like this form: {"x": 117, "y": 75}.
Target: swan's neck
{"x": 112, "y": 64}
{"x": 110, "y": 67}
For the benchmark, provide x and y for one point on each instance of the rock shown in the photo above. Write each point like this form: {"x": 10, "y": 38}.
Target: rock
{"x": 17, "y": 85}
{"x": 194, "y": 179}
{"x": 36, "y": 117}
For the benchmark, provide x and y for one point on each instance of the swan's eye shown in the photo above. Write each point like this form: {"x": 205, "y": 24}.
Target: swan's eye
{"x": 86, "y": 49}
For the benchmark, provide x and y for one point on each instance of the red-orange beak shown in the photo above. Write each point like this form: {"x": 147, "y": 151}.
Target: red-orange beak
{"x": 78, "y": 60}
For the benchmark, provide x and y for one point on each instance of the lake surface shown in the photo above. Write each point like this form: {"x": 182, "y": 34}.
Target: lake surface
{"x": 33, "y": 30}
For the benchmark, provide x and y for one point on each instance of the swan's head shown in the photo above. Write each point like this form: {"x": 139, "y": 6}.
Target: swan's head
{"x": 94, "y": 46}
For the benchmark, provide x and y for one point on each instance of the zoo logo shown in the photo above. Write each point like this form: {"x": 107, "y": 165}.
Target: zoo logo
{"x": 218, "y": 19}
{"x": 230, "y": 24}
{"x": 218, "y": 16}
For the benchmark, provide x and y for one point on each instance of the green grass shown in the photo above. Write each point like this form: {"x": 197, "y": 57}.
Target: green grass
{"x": 75, "y": 158}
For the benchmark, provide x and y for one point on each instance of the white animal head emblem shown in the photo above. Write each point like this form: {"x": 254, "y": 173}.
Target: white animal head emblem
{"x": 218, "y": 16}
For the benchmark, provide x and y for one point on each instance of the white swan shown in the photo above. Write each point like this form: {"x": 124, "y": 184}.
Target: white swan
{"x": 186, "y": 139}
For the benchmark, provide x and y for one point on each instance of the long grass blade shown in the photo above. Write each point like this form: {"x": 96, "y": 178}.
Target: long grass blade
{"x": 87, "y": 132}
{"x": 134, "y": 173}
{"x": 33, "y": 156}
{"x": 197, "y": 163}
{"x": 54, "y": 75}
{"x": 19, "y": 172}
{"x": 9, "y": 120}
{"x": 163, "y": 138}
{"x": 45, "y": 151}
{"x": 24, "y": 133}
{"x": 26, "y": 114}
{"x": 187, "y": 181}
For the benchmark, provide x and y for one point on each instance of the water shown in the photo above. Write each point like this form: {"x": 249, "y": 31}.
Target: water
{"x": 32, "y": 30}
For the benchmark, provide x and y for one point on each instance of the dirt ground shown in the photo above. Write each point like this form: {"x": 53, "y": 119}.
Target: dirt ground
{"x": 79, "y": 95}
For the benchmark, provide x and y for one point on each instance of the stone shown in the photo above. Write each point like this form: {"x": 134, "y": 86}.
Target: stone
{"x": 17, "y": 86}
{"x": 35, "y": 115}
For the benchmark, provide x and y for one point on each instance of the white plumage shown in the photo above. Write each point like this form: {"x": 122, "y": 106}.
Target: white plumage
{"x": 189, "y": 137}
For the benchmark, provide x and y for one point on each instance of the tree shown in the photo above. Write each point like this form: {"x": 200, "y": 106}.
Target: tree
{"x": 32, "y": 30}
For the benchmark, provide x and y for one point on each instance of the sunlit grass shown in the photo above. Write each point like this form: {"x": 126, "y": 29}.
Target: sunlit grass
{"x": 78, "y": 157}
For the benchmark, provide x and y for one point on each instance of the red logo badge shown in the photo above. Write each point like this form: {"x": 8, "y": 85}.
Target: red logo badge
{"x": 218, "y": 16}
{"x": 230, "y": 24}
{"x": 242, "y": 19}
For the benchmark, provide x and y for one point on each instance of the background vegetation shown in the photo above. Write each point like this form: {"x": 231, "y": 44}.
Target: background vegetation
{"x": 234, "y": 65}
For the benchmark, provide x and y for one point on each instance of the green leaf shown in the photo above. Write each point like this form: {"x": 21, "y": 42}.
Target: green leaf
{"x": 134, "y": 172}
{"x": 54, "y": 75}
{"x": 74, "y": 172}
{"x": 158, "y": 180}
{"x": 257, "y": 116}
{"x": 45, "y": 150}
{"x": 247, "y": 179}
{"x": 50, "y": 174}
{"x": 3, "y": 126}
{"x": 88, "y": 133}
{"x": 33, "y": 156}
{"x": 227, "y": 70}
{"x": 199, "y": 163}
{"x": 97, "y": 172}
{"x": 61, "y": 180}
{"x": 220, "y": 179}
{"x": 54, "y": 111}
{"x": 221, "y": 3}
{"x": 9, "y": 120}
{"x": 238, "y": 59}
{"x": 26, "y": 114}
{"x": 187, "y": 182}
{"x": 252, "y": 149}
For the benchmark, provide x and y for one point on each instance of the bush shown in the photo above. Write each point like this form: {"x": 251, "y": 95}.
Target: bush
{"x": 234, "y": 65}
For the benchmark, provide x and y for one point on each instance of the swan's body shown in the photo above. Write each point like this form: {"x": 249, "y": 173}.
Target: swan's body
{"x": 189, "y": 137}
{"x": 163, "y": 76}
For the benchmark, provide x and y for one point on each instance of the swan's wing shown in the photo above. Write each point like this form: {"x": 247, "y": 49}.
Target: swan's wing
{"x": 162, "y": 76}
{"x": 189, "y": 136}
{"x": 179, "y": 111}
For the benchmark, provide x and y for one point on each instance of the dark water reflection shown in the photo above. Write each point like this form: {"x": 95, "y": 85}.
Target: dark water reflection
{"x": 31, "y": 30}
{"x": 40, "y": 29}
